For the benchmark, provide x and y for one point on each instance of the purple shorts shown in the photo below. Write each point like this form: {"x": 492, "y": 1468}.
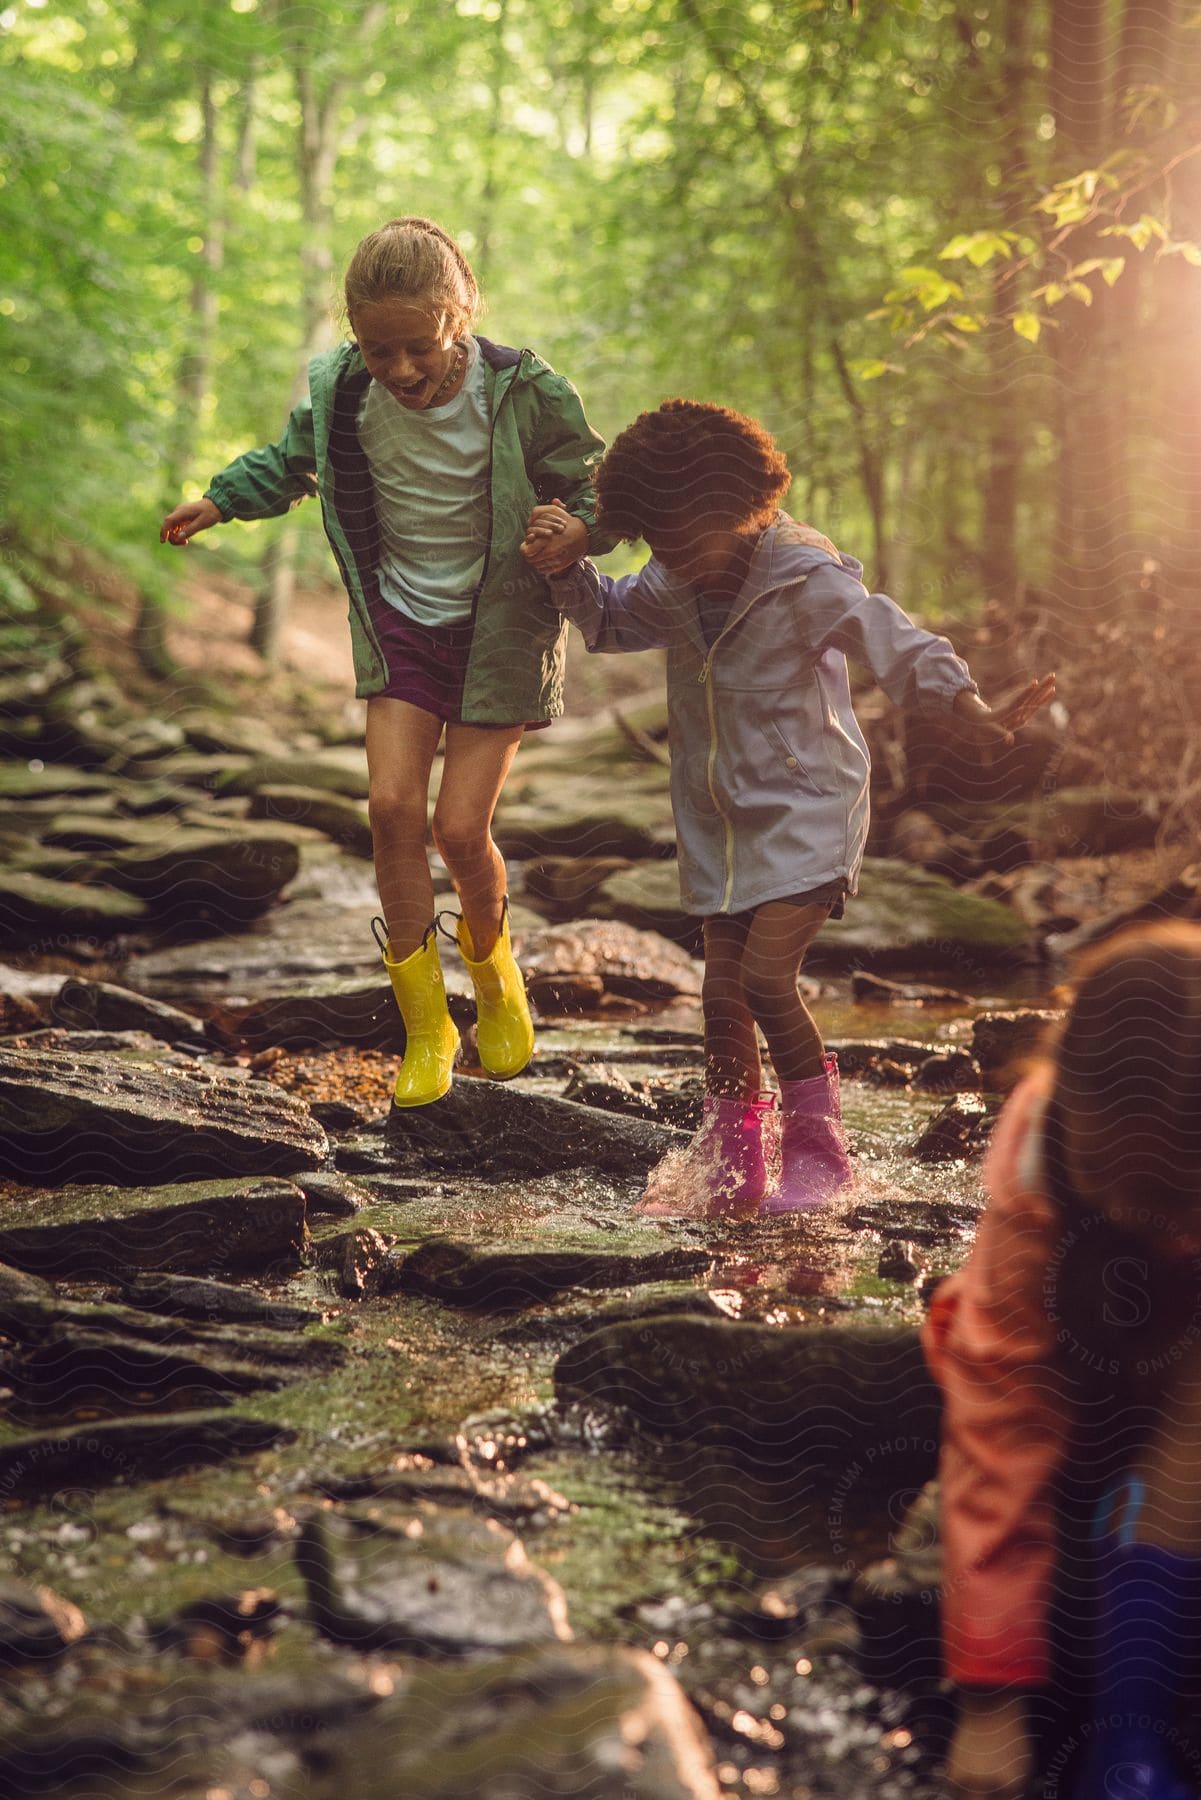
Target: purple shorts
{"x": 427, "y": 664}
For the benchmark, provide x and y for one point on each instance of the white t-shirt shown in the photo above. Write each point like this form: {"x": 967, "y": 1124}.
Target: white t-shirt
{"x": 430, "y": 471}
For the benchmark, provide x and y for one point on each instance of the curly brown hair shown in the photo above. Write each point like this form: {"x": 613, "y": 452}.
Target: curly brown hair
{"x": 688, "y": 462}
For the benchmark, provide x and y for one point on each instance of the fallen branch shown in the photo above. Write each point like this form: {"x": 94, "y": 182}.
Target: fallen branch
{"x": 642, "y": 740}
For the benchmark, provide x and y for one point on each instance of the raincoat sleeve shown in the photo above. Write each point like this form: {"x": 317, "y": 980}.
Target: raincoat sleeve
{"x": 626, "y": 614}
{"x": 266, "y": 482}
{"x": 1006, "y": 1422}
{"x": 563, "y": 453}
{"x": 915, "y": 668}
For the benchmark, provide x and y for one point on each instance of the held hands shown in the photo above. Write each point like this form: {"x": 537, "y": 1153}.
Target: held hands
{"x": 186, "y": 520}
{"x": 990, "y": 729}
{"x": 991, "y": 1756}
{"x": 554, "y": 539}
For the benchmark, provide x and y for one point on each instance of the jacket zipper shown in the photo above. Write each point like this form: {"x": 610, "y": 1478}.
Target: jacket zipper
{"x": 705, "y": 678}
{"x": 479, "y": 586}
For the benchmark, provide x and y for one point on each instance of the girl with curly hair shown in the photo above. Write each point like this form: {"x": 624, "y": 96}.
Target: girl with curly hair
{"x": 758, "y": 615}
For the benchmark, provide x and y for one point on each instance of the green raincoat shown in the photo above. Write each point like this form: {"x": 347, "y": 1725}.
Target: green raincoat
{"x": 542, "y": 447}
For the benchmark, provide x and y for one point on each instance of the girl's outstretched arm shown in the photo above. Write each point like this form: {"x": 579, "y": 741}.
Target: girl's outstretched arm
{"x": 269, "y": 481}
{"x": 633, "y": 613}
{"x": 915, "y": 668}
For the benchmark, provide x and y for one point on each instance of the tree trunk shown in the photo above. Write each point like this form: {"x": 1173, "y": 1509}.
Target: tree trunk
{"x": 1091, "y": 539}
{"x": 317, "y": 153}
{"x": 193, "y": 379}
{"x": 1003, "y": 465}
{"x": 1179, "y": 289}
{"x": 492, "y": 141}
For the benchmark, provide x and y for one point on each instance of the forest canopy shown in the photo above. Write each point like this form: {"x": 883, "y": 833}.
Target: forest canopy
{"x": 946, "y": 251}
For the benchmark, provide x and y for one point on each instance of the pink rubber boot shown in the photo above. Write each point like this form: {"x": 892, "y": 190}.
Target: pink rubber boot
{"x": 722, "y": 1170}
{"x": 813, "y": 1154}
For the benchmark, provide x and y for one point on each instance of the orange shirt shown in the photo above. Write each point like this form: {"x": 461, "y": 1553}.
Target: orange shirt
{"x": 1007, "y": 1419}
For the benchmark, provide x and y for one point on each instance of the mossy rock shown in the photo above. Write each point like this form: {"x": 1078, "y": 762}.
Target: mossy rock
{"x": 904, "y": 917}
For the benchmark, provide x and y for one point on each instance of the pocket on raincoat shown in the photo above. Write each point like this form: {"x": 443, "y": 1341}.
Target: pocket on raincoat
{"x": 795, "y": 771}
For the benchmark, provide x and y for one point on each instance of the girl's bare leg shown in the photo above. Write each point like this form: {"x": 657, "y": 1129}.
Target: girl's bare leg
{"x": 401, "y": 741}
{"x": 779, "y": 935}
{"x": 477, "y": 761}
{"x": 732, "y": 1066}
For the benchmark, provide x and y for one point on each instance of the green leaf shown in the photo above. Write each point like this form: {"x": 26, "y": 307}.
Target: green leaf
{"x": 979, "y": 247}
{"x": 1111, "y": 269}
{"x": 1027, "y": 325}
{"x": 965, "y": 322}
{"x": 868, "y": 368}
{"x": 1081, "y": 291}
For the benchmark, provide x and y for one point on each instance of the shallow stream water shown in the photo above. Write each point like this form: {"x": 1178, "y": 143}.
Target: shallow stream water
{"x": 732, "y": 1569}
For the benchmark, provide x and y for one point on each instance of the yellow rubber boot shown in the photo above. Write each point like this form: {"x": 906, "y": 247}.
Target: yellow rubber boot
{"x": 505, "y": 1033}
{"x": 431, "y": 1040}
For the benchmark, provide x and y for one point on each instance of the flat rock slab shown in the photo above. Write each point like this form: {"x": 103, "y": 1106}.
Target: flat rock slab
{"x": 638, "y": 965}
{"x": 214, "y": 733}
{"x": 36, "y": 906}
{"x": 315, "y": 939}
{"x": 323, "y": 1012}
{"x": 512, "y": 1498}
{"x": 904, "y": 917}
{"x": 449, "y": 1584}
{"x": 19, "y": 782}
{"x": 72, "y": 1368}
{"x": 128, "y": 1450}
{"x": 647, "y": 895}
{"x": 200, "y": 1227}
{"x": 568, "y": 1722}
{"x": 523, "y": 832}
{"x": 74, "y": 1118}
{"x": 484, "y": 1126}
{"x": 556, "y": 1722}
{"x": 823, "y": 1396}
{"x": 217, "y": 878}
{"x": 29, "y": 984}
{"x": 331, "y": 772}
{"x": 103, "y": 1006}
{"x": 213, "y": 1302}
{"x": 331, "y": 814}
{"x": 471, "y": 1273}
{"x": 59, "y": 1356}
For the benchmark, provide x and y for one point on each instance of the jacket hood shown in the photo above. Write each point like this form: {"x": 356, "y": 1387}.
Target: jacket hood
{"x": 781, "y": 558}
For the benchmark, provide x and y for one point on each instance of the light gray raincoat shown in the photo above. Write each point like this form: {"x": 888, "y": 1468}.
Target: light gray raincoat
{"x": 769, "y": 769}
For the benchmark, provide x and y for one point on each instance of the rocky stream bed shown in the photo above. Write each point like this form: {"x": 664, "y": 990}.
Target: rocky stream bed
{"x": 348, "y": 1453}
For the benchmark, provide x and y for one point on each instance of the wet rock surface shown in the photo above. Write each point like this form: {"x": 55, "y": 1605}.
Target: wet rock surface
{"x": 636, "y": 965}
{"x": 103, "y": 1006}
{"x": 125, "y": 1450}
{"x": 479, "y": 1274}
{"x": 185, "y": 1227}
{"x": 518, "y": 1133}
{"x": 35, "y": 906}
{"x": 961, "y": 1129}
{"x": 80, "y": 1118}
{"x": 810, "y": 1396}
{"x": 215, "y": 879}
{"x": 321, "y": 1439}
{"x": 450, "y": 1584}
